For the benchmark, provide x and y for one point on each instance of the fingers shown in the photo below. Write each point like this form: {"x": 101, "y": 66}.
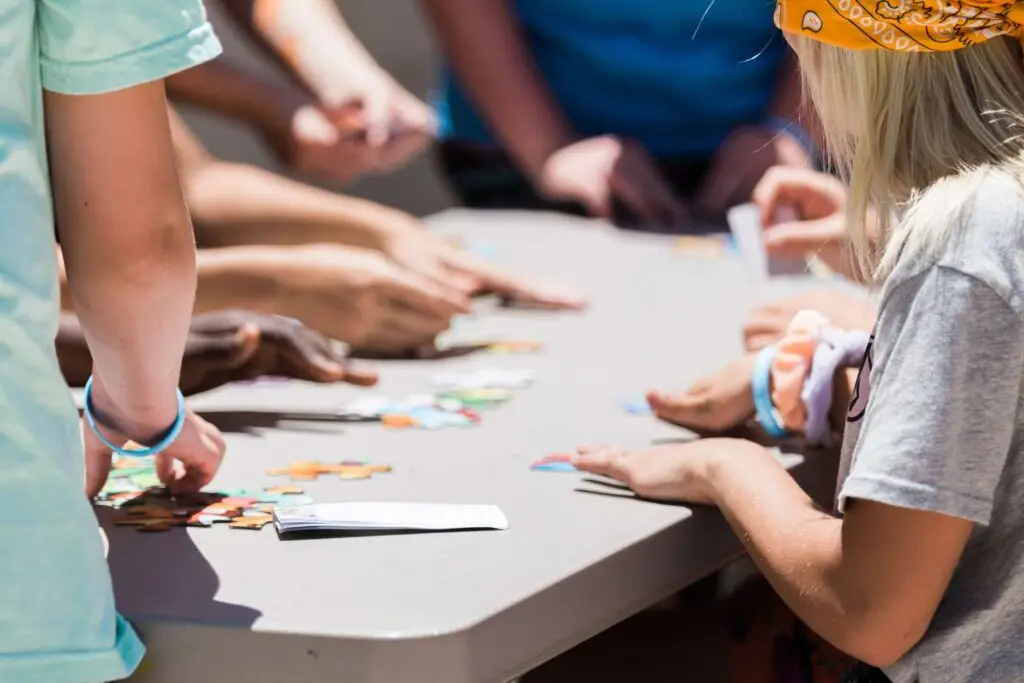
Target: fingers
{"x": 310, "y": 356}
{"x": 799, "y": 239}
{"x": 603, "y": 461}
{"x": 377, "y": 119}
{"x": 638, "y": 182}
{"x": 419, "y": 294}
{"x": 687, "y": 409}
{"x": 797, "y": 188}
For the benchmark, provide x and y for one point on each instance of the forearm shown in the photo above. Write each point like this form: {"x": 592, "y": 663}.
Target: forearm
{"x": 239, "y": 278}
{"x": 484, "y": 44}
{"x": 127, "y": 245}
{"x": 236, "y": 93}
{"x": 313, "y": 40}
{"x": 236, "y": 204}
{"x": 797, "y": 547}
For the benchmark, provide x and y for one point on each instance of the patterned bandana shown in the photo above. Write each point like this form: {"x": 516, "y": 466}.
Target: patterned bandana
{"x": 901, "y": 25}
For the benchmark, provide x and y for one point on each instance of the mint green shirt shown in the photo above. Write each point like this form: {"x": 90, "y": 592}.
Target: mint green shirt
{"x": 57, "y": 617}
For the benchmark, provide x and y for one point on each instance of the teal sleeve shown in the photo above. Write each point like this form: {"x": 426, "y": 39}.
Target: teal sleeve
{"x": 97, "y": 46}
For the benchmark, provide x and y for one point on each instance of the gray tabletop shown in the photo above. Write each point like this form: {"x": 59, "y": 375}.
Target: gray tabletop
{"x": 482, "y": 607}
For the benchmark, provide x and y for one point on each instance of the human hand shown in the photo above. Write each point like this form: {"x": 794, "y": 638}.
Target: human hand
{"x": 680, "y": 472}
{"x": 767, "y": 324}
{"x": 598, "y": 171}
{"x": 374, "y": 104}
{"x": 802, "y": 211}
{"x": 358, "y": 296}
{"x": 234, "y": 346}
{"x": 741, "y": 162}
{"x": 330, "y": 145}
{"x": 513, "y": 288}
{"x": 715, "y": 404}
{"x": 186, "y": 466}
{"x": 412, "y": 246}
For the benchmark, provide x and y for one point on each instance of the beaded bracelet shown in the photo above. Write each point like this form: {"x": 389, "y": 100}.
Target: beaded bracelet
{"x": 160, "y": 446}
{"x": 760, "y": 386}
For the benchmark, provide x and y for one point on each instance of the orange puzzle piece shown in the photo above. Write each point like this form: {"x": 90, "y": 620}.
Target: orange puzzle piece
{"x": 309, "y": 470}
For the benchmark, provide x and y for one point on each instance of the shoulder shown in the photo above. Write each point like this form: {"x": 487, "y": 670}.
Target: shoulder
{"x": 971, "y": 224}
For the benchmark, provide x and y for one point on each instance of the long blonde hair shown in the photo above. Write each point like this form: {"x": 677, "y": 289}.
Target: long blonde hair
{"x": 913, "y": 134}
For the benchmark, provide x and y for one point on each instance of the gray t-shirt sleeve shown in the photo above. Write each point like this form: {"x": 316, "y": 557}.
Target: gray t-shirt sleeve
{"x": 944, "y": 386}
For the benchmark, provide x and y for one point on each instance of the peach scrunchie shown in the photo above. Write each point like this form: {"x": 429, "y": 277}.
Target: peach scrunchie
{"x": 791, "y": 365}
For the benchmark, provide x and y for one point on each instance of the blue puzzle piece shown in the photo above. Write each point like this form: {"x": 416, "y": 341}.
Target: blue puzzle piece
{"x": 636, "y": 406}
{"x": 553, "y": 467}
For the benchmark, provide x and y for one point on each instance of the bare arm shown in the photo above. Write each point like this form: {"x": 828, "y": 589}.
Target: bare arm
{"x": 128, "y": 247}
{"x": 483, "y": 41}
{"x": 239, "y": 94}
{"x": 869, "y": 584}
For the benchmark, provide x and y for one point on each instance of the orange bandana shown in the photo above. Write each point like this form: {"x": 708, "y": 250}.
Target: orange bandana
{"x": 901, "y": 25}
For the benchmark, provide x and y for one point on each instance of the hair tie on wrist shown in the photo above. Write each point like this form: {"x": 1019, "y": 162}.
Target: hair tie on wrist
{"x": 159, "y": 447}
{"x": 760, "y": 385}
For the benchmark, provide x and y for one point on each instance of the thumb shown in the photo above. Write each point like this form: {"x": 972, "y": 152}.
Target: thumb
{"x": 377, "y": 119}
{"x": 311, "y": 126}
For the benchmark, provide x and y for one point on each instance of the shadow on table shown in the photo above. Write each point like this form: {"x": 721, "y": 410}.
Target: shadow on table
{"x": 255, "y": 421}
{"x": 164, "y": 574}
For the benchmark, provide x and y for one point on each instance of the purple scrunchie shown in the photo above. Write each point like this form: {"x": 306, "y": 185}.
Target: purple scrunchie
{"x": 837, "y": 348}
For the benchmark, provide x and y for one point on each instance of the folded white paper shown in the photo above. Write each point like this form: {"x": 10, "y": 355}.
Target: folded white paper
{"x": 368, "y": 516}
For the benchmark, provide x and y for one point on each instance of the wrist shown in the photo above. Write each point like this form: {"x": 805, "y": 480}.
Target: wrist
{"x": 140, "y": 423}
{"x": 720, "y": 465}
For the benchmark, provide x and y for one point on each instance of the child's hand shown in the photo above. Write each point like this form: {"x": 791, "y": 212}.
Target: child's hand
{"x": 680, "y": 472}
{"x": 715, "y": 404}
{"x": 188, "y": 465}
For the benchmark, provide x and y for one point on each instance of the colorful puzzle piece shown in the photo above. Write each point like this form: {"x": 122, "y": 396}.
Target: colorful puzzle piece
{"x": 636, "y": 405}
{"x": 311, "y": 470}
{"x": 705, "y": 246}
{"x": 513, "y": 346}
{"x": 554, "y": 463}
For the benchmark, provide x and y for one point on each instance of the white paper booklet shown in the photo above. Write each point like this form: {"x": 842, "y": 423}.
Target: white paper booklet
{"x": 365, "y": 516}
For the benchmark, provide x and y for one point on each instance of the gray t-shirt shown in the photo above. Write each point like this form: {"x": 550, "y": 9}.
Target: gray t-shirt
{"x": 937, "y": 423}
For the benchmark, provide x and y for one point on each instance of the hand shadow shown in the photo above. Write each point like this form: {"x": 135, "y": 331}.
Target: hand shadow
{"x": 253, "y": 421}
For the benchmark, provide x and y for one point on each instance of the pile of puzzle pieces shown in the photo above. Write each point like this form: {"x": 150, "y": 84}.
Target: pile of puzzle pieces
{"x": 135, "y": 491}
{"x": 459, "y": 402}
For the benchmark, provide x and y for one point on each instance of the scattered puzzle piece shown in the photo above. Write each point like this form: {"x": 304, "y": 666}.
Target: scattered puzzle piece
{"x": 554, "y": 463}
{"x": 514, "y": 346}
{"x": 254, "y": 522}
{"x": 311, "y": 470}
{"x": 636, "y": 405}
{"x": 705, "y": 246}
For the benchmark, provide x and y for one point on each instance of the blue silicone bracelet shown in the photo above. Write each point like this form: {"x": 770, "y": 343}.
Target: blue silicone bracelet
{"x": 760, "y": 385}
{"x": 167, "y": 440}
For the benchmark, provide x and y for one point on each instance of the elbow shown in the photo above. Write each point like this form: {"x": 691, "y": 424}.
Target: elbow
{"x": 882, "y": 637}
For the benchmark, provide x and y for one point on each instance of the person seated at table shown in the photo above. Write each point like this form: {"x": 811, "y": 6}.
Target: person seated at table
{"x": 819, "y": 202}
{"x": 657, "y": 111}
{"x": 232, "y": 346}
{"x": 917, "y": 574}
{"x": 341, "y": 117}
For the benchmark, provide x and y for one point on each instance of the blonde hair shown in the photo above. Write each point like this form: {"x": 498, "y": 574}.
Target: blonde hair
{"x": 913, "y": 134}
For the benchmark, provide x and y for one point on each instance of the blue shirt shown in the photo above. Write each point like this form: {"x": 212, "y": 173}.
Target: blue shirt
{"x": 57, "y": 617}
{"x": 675, "y": 75}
